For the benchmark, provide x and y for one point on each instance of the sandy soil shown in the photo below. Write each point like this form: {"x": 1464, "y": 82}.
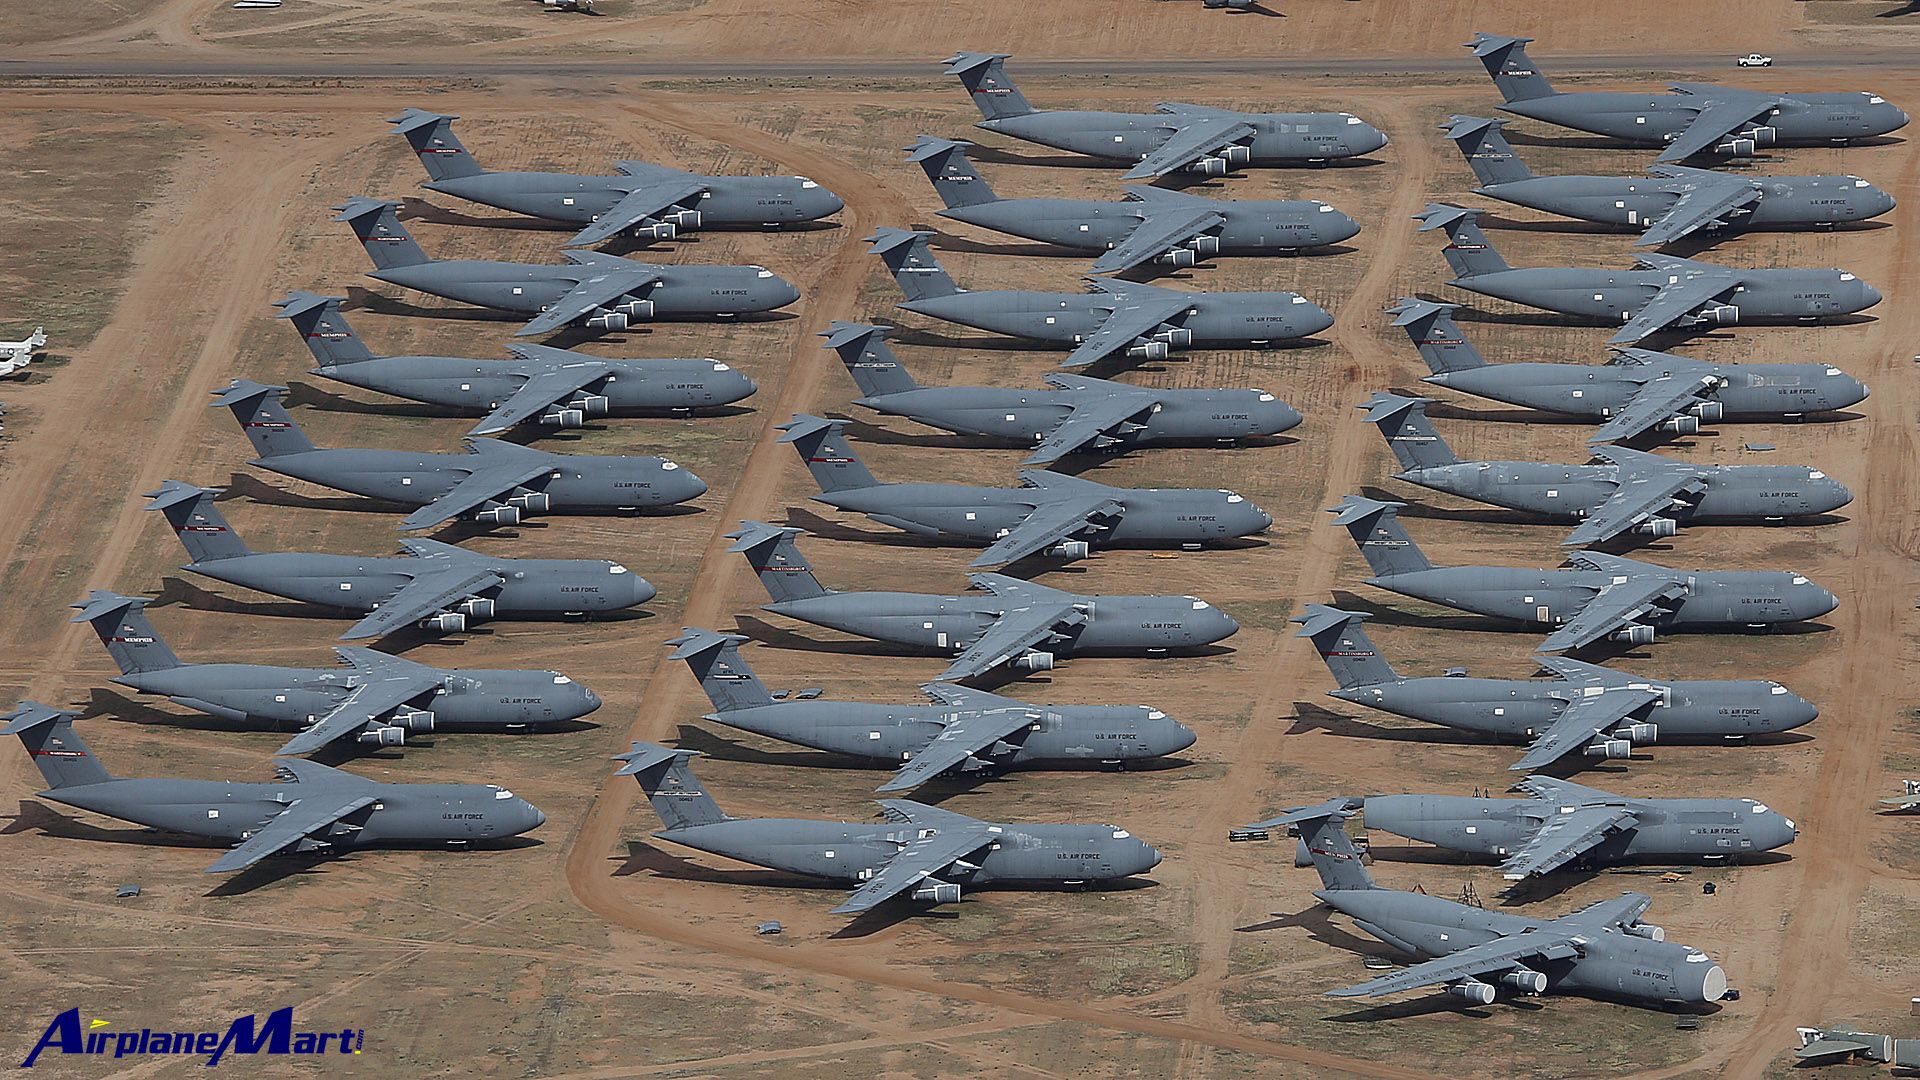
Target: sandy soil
{"x": 596, "y": 953}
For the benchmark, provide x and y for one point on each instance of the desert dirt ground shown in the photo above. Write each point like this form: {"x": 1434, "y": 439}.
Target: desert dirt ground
{"x": 596, "y": 952}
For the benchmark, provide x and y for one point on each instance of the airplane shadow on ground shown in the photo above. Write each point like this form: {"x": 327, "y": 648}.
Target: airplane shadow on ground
{"x": 302, "y": 395}
{"x": 414, "y": 208}
{"x": 722, "y": 747}
{"x": 1308, "y": 716}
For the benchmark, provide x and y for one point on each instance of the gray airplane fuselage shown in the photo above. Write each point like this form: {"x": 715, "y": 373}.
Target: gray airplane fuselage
{"x": 1662, "y": 829}
{"x": 1786, "y": 202}
{"x": 727, "y": 201}
{"x": 1517, "y": 710}
{"x": 1654, "y": 119}
{"x": 229, "y": 812}
{"x": 851, "y": 852}
{"x": 1714, "y": 598}
{"x": 1028, "y": 416}
{"x": 469, "y": 700}
{"x": 894, "y": 733}
{"x": 577, "y": 482}
{"x": 1614, "y": 964}
{"x": 1252, "y": 226}
{"x": 361, "y": 583}
{"x": 480, "y": 386}
{"x": 1774, "y": 295}
{"x": 686, "y": 292}
{"x": 1115, "y": 624}
{"x": 1214, "y": 320}
{"x": 1747, "y": 391}
{"x": 1279, "y": 138}
{"x": 1733, "y": 493}
{"x": 1152, "y": 517}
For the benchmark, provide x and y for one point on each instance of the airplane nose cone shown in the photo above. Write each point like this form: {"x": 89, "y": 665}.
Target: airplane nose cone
{"x": 1373, "y": 139}
{"x": 1151, "y": 859}
{"x": 1780, "y": 833}
{"x": 640, "y": 590}
{"x": 1262, "y": 521}
{"x": 1339, "y": 227}
{"x": 1838, "y": 496}
{"x": 1226, "y": 627}
{"x": 1277, "y": 416}
{"x": 783, "y": 292}
{"x": 530, "y": 816}
{"x": 1313, "y": 320}
{"x": 1822, "y": 602}
{"x": 829, "y": 204}
{"x": 1179, "y": 737}
{"x": 1869, "y": 296}
{"x": 681, "y": 485}
{"x": 589, "y": 703}
{"x": 1795, "y": 711}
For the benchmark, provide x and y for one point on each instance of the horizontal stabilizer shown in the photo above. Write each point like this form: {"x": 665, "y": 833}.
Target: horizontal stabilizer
{"x": 1320, "y": 618}
{"x": 646, "y": 755}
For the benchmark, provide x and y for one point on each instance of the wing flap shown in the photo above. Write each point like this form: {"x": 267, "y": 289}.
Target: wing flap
{"x": 1720, "y": 118}
{"x": 368, "y": 702}
{"x": 1086, "y": 424}
{"x": 1704, "y": 204}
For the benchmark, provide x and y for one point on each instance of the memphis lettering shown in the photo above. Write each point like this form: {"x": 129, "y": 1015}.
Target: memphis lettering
{"x": 246, "y": 1035}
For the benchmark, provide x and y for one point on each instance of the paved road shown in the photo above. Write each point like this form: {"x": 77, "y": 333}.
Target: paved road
{"x": 247, "y": 67}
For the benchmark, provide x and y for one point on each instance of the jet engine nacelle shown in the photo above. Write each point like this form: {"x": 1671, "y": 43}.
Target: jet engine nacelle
{"x": 1648, "y": 931}
{"x": 475, "y": 608}
{"x": 1177, "y": 257}
{"x": 1178, "y": 337}
{"x": 447, "y": 622}
{"x": 1070, "y": 549}
{"x": 606, "y": 320}
{"x": 1658, "y": 526}
{"x": 1610, "y": 749}
{"x": 1034, "y": 660}
{"x": 1205, "y": 245}
{"x": 413, "y": 721}
{"x": 635, "y": 309}
{"x": 1681, "y": 425}
{"x": 1708, "y": 411}
{"x": 383, "y": 735}
{"x": 1640, "y": 734}
{"x": 1720, "y": 315}
{"x": 532, "y": 502}
{"x": 1472, "y": 990}
{"x": 565, "y": 419}
{"x": 498, "y": 515}
{"x": 656, "y": 230}
{"x": 1237, "y": 154}
{"x": 940, "y": 892}
{"x": 1637, "y": 634}
{"x": 590, "y": 404}
{"x": 1737, "y": 147}
{"x": 1148, "y": 350}
{"x": 685, "y": 219}
{"x": 1208, "y": 166}
{"x": 1525, "y": 980}
{"x": 1764, "y": 135}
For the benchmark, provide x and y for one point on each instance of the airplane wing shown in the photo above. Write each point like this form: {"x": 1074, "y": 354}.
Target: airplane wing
{"x": 1673, "y": 303}
{"x": 1730, "y": 111}
{"x": 1087, "y": 424}
{"x": 1016, "y": 631}
{"x": 641, "y": 203}
{"x": 1158, "y": 232}
{"x": 1621, "y": 911}
{"x": 604, "y": 287}
{"x": 959, "y": 742}
{"x": 919, "y": 860}
{"x": 488, "y": 481}
{"x": 1563, "y": 838}
{"x": 301, "y": 819}
{"x": 1197, "y": 137}
{"x": 966, "y": 697}
{"x": 1655, "y": 402}
{"x": 1586, "y": 715}
{"x": 428, "y": 594}
{"x": 1829, "y": 1049}
{"x": 387, "y": 687}
{"x": 539, "y": 393}
{"x": 1634, "y": 501}
{"x": 1614, "y": 607}
{"x": 1049, "y": 523}
{"x": 1499, "y": 955}
{"x": 1707, "y": 200}
{"x": 1133, "y": 315}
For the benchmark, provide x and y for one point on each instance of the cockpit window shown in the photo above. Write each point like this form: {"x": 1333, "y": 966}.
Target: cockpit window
{"x": 668, "y": 466}
{"x": 502, "y": 793}
{"x": 1199, "y": 605}
{"x": 1799, "y": 579}
{"x": 1860, "y": 183}
{"x": 1835, "y": 371}
{"x": 1232, "y": 498}
{"x": 1353, "y": 119}
{"x": 561, "y": 680}
{"x": 806, "y": 183}
{"x": 1876, "y": 99}
{"x": 1299, "y": 299}
{"x": 764, "y": 274}
{"x": 616, "y": 568}
{"x": 1816, "y": 474}
{"x": 1264, "y": 396}
{"x": 1121, "y": 834}
{"x": 1846, "y": 276}
{"x": 1758, "y": 808}
{"x": 718, "y": 366}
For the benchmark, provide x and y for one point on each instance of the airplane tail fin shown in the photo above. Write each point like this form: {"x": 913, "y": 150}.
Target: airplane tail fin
{"x": 37, "y": 339}
{"x": 910, "y": 260}
{"x": 1344, "y": 645}
{"x": 1431, "y": 327}
{"x": 825, "y": 452}
{"x": 676, "y": 794}
{"x": 782, "y": 570}
{"x": 201, "y": 527}
{"x": 1324, "y": 843}
{"x": 1377, "y": 532}
{"x": 387, "y": 241}
{"x": 121, "y": 622}
{"x": 1410, "y": 435}
{"x": 869, "y": 359}
{"x": 1505, "y": 58}
{"x": 985, "y": 77}
{"x": 1468, "y": 250}
{"x": 266, "y": 422}
{"x": 723, "y": 673}
{"x": 431, "y": 136}
{"x": 1486, "y": 150}
{"x": 61, "y": 755}
{"x": 945, "y": 163}
{"x": 324, "y": 328}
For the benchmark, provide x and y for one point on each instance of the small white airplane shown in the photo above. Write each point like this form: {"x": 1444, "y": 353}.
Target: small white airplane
{"x": 15, "y": 355}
